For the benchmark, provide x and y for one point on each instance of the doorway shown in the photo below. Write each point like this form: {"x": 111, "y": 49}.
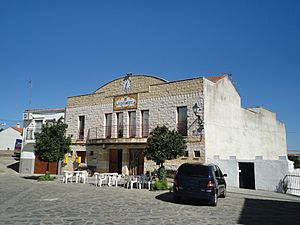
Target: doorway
{"x": 246, "y": 175}
{"x": 136, "y": 161}
{"x": 115, "y": 161}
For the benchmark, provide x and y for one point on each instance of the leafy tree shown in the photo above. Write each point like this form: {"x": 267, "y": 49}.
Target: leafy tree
{"x": 164, "y": 144}
{"x": 296, "y": 160}
{"x": 52, "y": 144}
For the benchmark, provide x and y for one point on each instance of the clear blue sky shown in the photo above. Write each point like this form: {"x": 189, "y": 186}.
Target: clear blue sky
{"x": 73, "y": 47}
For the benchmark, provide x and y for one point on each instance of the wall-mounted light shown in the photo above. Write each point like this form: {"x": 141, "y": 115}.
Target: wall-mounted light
{"x": 197, "y": 112}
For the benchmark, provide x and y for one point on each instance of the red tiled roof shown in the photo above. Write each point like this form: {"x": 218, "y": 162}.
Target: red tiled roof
{"x": 215, "y": 79}
{"x": 19, "y": 129}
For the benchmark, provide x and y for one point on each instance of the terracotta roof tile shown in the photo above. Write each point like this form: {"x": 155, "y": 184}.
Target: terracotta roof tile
{"x": 215, "y": 79}
{"x": 19, "y": 129}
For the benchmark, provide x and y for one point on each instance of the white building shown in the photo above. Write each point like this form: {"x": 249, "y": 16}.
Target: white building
{"x": 112, "y": 124}
{"x": 9, "y": 137}
{"x": 33, "y": 121}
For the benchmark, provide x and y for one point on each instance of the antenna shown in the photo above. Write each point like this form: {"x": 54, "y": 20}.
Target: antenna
{"x": 30, "y": 91}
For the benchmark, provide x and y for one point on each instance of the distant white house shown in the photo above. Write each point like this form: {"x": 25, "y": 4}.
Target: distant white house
{"x": 9, "y": 137}
{"x": 33, "y": 120}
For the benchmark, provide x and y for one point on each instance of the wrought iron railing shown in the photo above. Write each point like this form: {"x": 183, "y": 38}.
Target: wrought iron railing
{"x": 118, "y": 131}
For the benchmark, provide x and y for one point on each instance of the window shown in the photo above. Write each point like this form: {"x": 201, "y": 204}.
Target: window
{"x": 197, "y": 154}
{"x": 91, "y": 153}
{"x": 186, "y": 154}
{"x": 120, "y": 125}
{"x": 108, "y": 121}
{"x": 132, "y": 124}
{"x": 38, "y": 126}
{"x": 81, "y": 127}
{"x": 145, "y": 123}
{"x": 193, "y": 170}
{"x": 182, "y": 120}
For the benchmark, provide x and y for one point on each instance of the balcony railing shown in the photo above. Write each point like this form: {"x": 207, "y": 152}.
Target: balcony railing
{"x": 118, "y": 131}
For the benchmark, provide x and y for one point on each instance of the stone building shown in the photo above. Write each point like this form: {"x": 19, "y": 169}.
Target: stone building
{"x": 110, "y": 128}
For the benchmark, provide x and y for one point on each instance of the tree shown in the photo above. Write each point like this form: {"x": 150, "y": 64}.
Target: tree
{"x": 52, "y": 144}
{"x": 164, "y": 144}
{"x": 296, "y": 160}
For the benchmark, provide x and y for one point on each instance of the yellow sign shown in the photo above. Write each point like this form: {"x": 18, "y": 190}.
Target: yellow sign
{"x": 125, "y": 102}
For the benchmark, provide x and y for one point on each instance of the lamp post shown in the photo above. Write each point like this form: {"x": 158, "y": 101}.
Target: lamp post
{"x": 197, "y": 112}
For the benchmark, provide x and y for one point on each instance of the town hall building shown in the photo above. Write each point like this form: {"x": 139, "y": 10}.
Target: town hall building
{"x": 109, "y": 128}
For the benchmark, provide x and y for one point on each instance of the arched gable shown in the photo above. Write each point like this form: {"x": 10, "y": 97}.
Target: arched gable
{"x": 139, "y": 83}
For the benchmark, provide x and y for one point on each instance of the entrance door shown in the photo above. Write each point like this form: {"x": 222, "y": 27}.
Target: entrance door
{"x": 115, "y": 161}
{"x": 136, "y": 161}
{"x": 246, "y": 175}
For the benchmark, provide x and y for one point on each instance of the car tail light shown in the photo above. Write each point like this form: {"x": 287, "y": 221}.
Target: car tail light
{"x": 210, "y": 185}
{"x": 175, "y": 181}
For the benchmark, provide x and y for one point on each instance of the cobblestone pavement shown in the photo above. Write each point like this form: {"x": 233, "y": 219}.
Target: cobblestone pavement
{"x": 26, "y": 201}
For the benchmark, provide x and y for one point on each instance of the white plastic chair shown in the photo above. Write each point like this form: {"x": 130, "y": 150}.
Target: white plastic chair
{"x": 103, "y": 179}
{"x": 121, "y": 180}
{"x": 96, "y": 177}
{"x": 135, "y": 180}
{"x": 68, "y": 176}
{"x": 146, "y": 181}
{"x": 84, "y": 176}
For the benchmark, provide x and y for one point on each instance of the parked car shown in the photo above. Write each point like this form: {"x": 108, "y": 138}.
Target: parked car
{"x": 200, "y": 181}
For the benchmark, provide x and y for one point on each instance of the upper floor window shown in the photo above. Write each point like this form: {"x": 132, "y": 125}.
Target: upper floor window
{"x": 182, "y": 120}
{"x": 120, "y": 124}
{"x": 108, "y": 124}
{"x": 145, "y": 123}
{"x": 132, "y": 124}
{"x": 38, "y": 126}
{"x": 81, "y": 122}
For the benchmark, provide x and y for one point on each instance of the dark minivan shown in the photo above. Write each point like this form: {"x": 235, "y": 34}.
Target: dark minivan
{"x": 201, "y": 181}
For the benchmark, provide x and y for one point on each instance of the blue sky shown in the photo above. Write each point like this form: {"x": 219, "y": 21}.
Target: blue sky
{"x": 73, "y": 47}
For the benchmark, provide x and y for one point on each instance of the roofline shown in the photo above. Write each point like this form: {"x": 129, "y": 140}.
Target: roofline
{"x": 45, "y": 110}
{"x": 145, "y": 75}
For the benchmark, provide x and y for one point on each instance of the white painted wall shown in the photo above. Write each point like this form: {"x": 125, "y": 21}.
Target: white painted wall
{"x": 8, "y": 138}
{"x": 234, "y": 131}
{"x": 234, "y": 134}
{"x": 27, "y": 154}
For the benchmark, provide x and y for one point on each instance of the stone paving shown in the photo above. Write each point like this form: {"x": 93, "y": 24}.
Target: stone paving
{"x": 26, "y": 201}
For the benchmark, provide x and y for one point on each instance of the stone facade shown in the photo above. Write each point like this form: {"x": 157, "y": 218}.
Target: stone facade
{"x": 232, "y": 135}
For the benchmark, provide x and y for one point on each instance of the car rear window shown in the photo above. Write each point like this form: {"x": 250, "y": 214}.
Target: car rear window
{"x": 193, "y": 170}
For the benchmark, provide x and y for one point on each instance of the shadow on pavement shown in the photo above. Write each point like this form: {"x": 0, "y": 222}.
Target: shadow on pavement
{"x": 14, "y": 166}
{"x": 31, "y": 177}
{"x": 168, "y": 197}
{"x": 257, "y": 211}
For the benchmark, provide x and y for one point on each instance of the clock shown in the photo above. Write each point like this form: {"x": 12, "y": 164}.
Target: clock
{"x": 126, "y": 84}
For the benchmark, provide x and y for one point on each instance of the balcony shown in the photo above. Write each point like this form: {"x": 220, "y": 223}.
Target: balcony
{"x": 118, "y": 134}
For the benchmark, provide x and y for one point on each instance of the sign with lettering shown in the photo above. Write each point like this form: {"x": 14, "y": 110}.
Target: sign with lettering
{"x": 125, "y": 102}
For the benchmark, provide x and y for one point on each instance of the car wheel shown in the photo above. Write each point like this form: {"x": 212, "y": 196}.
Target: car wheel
{"x": 214, "y": 200}
{"x": 176, "y": 198}
{"x": 223, "y": 195}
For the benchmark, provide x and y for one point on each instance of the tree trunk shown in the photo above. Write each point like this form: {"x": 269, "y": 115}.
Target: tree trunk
{"x": 47, "y": 169}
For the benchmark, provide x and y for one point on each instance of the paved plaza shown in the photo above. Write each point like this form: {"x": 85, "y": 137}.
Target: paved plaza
{"x": 26, "y": 201}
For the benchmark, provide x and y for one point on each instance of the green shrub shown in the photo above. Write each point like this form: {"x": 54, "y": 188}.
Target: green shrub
{"x": 46, "y": 177}
{"x": 160, "y": 185}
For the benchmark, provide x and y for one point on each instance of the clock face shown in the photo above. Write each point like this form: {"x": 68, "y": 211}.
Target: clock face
{"x": 126, "y": 84}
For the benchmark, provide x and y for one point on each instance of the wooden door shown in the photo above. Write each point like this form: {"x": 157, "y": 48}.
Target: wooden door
{"x": 136, "y": 161}
{"x": 115, "y": 161}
